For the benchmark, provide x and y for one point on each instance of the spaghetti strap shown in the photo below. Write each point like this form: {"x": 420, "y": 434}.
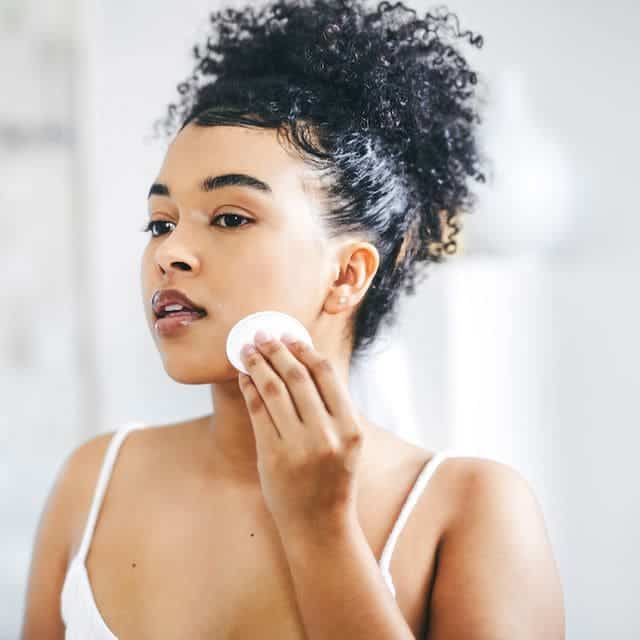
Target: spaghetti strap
{"x": 409, "y": 503}
{"x": 101, "y": 485}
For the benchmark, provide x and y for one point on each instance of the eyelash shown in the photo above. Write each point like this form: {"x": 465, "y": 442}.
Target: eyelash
{"x": 151, "y": 224}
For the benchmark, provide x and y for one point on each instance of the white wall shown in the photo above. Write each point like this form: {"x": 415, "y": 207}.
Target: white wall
{"x": 46, "y": 383}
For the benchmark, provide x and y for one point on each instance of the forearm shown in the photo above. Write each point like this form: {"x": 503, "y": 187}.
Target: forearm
{"x": 339, "y": 587}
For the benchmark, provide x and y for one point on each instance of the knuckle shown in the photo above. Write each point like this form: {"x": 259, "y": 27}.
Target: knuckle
{"x": 323, "y": 366}
{"x": 327, "y": 451}
{"x": 255, "y": 404}
{"x": 252, "y": 359}
{"x": 296, "y": 374}
{"x": 354, "y": 439}
{"x": 271, "y": 348}
{"x": 330, "y": 447}
{"x": 272, "y": 388}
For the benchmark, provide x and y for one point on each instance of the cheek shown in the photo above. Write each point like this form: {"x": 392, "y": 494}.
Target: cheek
{"x": 291, "y": 278}
{"x": 264, "y": 278}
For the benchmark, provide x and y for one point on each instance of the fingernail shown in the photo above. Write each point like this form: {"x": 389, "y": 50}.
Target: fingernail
{"x": 262, "y": 336}
{"x": 248, "y": 349}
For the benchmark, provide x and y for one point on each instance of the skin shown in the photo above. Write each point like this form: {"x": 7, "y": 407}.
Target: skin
{"x": 184, "y": 545}
{"x": 250, "y": 266}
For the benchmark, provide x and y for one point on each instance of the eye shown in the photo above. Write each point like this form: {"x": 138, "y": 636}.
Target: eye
{"x": 151, "y": 226}
{"x": 231, "y": 215}
{"x": 155, "y": 232}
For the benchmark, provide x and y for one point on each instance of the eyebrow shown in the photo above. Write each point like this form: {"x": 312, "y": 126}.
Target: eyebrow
{"x": 210, "y": 183}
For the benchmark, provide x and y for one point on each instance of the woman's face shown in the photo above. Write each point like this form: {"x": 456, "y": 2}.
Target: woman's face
{"x": 233, "y": 250}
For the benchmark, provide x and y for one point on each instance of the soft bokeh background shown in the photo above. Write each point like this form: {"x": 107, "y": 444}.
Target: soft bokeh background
{"x": 525, "y": 349}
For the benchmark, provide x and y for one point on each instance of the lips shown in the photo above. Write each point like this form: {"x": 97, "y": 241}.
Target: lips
{"x": 175, "y": 323}
{"x": 163, "y": 298}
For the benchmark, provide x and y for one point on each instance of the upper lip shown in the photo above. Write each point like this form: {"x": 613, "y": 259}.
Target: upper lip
{"x": 163, "y": 297}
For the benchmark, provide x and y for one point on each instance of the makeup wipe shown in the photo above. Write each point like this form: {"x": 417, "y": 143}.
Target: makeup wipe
{"x": 275, "y": 322}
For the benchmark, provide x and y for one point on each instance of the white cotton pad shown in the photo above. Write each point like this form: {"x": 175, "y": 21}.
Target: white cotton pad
{"x": 275, "y": 322}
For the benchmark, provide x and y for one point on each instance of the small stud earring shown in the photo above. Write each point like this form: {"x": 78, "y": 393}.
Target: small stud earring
{"x": 342, "y": 300}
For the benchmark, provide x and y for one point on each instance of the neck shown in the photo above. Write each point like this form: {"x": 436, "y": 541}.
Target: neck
{"x": 227, "y": 436}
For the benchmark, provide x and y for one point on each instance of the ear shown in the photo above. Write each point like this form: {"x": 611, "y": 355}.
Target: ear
{"x": 356, "y": 265}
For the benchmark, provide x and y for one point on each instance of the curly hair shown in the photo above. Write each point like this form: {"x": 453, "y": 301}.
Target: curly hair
{"x": 381, "y": 103}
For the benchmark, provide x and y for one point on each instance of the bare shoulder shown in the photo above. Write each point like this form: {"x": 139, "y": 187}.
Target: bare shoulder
{"x": 81, "y": 470}
{"x": 84, "y": 463}
{"x": 64, "y": 515}
{"x": 136, "y": 456}
{"x": 491, "y": 490}
{"x": 496, "y": 571}
{"x": 53, "y": 540}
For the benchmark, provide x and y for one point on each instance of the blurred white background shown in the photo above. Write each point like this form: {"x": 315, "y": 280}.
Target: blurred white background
{"x": 524, "y": 349}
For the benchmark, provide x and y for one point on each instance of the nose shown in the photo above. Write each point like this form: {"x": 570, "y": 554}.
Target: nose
{"x": 178, "y": 265}
{"x": 175, "y": 255}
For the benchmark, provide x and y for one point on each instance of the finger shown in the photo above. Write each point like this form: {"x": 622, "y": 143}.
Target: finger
{"x": 265, "y": 431}
{"x": 331, "y": 389}
{"x": 301, "y": 386}
{"x": 274, "y": 394}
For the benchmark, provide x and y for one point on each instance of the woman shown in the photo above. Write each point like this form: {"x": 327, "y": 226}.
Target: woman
{"x": 321, "y": 154}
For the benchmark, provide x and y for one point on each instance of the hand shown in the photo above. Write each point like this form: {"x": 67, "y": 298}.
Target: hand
{"x": 308, "y": 438}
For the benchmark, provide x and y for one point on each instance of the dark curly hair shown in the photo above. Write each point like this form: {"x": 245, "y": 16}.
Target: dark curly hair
{"x": 380, "y": 102}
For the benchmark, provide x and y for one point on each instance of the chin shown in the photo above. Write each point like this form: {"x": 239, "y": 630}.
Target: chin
{"x": 199, "y": 369}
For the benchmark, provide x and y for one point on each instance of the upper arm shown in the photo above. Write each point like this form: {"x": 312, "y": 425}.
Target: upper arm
{"x": 496, "y": 577}
{"x": 70, "y": 491}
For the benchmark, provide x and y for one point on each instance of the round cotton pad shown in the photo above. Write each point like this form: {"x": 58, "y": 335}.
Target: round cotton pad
{"x": 275, "y": 322}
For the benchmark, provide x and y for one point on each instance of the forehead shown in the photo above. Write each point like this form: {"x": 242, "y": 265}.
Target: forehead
{"x": 198, "y": 151}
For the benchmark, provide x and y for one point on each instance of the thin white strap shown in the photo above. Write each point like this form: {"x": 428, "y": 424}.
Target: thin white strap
{"x": 409, "y": 503}
{"x": 101, "y": 485}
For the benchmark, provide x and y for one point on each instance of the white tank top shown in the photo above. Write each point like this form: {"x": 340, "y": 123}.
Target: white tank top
{"x": 78, "y": 607}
